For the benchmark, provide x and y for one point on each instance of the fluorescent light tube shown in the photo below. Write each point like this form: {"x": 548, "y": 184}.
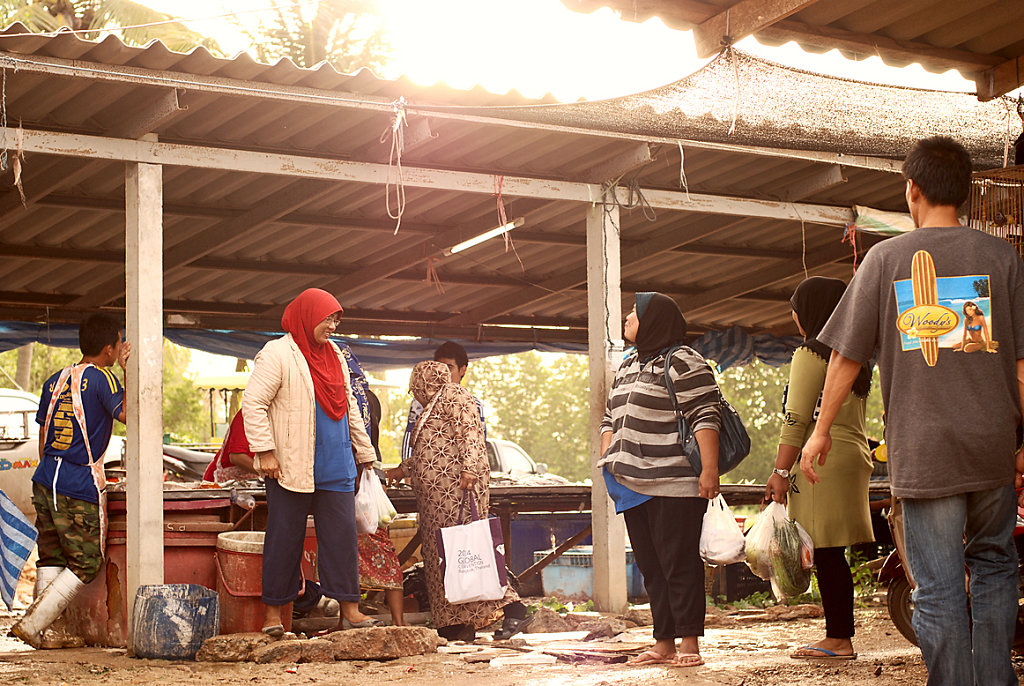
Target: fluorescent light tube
{"x": 476, "y": 240}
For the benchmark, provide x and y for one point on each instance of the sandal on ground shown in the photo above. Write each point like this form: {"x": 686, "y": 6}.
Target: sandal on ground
{"x": 825, "y": 654}
{"x": 365, "y": 624}
{"x": 510, "y": 626}
{"x": 651, "y": 657}
{"x": 687, "y": 660}
{"x": 274, "y": 630}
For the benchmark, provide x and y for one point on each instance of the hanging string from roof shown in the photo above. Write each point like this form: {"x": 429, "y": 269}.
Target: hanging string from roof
{"x": 499, "y": 182}
{"x": 395, "y": 163}
{"x": 3, "y": 115}
{"x": 6, "y": 160}
{"x": 682, "y": 171}
{"x": 850, "y": 235}
{"x": 432, "y": 277}
{"x": 736, "y": 82}
{"x": 803, "y": 239}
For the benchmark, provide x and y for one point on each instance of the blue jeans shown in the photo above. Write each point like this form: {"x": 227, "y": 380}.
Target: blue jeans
{"x": 962, "y": 650}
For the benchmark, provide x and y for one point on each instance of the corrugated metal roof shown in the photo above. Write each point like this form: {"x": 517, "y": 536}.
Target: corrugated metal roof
{"x": 981, "y": 38}
{"x": 68, "y": 242}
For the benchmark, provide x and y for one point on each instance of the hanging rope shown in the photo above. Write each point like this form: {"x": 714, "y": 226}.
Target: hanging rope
{"x": 803, "y": 238}
{"x": 499, "y": 182}
{"x": 432, "y": 277}
{"x": 3, "y": 115}
{"x": 682, "y": 172}
{"x": 736, "y": 81}
{"x": 395, "y": 163}
{"x": 850, "y": 235}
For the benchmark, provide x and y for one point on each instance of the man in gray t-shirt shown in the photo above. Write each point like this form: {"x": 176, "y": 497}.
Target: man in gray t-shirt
{"x": 943, "y": 309}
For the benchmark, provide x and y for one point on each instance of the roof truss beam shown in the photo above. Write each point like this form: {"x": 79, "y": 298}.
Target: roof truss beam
{"x": 820, "y": 181}
{"x": 759, "y": 280}
{"x": 1000, "y": 79}
{"x": 326, "y": 169}
{"x": 637, "y": 156}
{"x": 663, "y": 240}
{"x": 149, "y": 115}
{"x": 271, "y": 208}
{"x": 741, "y": 20}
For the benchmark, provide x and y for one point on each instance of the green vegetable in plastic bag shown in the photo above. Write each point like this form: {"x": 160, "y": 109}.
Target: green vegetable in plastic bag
{"x": 778, "y": 549}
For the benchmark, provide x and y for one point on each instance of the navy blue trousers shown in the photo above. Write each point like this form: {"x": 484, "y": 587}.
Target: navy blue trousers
{"x": 337, "y": 545}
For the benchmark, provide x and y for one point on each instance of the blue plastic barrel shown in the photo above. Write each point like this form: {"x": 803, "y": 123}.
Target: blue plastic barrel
{"x": 171, "y": 621}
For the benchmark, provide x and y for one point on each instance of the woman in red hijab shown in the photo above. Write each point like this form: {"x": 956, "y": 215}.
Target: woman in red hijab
{"x": 309, "y": 448}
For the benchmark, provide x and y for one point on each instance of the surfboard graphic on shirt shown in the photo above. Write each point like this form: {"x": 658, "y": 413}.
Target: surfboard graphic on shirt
{"x": 936, "y": 312}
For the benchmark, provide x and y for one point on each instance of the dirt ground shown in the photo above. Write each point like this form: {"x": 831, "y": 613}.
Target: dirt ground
{"x": 746, "y": 650}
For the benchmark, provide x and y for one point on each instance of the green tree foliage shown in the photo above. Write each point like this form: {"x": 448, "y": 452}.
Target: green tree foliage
{"x": 186, "y": 416}
{"x": 756, "y": 391}
{"x": 540, "y": 402}
{"x": 345, "y": 33}
{"x": 45, "y": 361}
{"x": 95, "y": 16}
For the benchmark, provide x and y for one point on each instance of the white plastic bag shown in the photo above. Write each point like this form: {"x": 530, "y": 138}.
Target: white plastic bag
{"x": 759, "y": 539}
{"x": 386, "y": 512}
{"x": 367, "y": 511}
{"x": 721, "y": 541}
{"x": 778, "y": 549}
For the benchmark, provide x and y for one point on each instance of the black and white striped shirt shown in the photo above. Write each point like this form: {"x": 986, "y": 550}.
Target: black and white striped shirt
{"x": 645, "y": 454}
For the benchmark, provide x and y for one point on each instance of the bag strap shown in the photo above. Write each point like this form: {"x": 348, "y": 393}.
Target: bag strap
{"x": 468, "y": 493}
{"x": 682, "y": 426}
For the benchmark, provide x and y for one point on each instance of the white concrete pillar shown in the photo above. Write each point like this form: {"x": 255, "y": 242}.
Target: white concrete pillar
{"x": 144, "y": 396}
{"x": 604, "y": 316}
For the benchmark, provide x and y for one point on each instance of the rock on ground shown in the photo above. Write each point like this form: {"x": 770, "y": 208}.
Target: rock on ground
{"x": 232, "y": 647}
{"x": 383, "y": 642}
{"x": 279, "y": 651}
{"x": 789, "y": 612}
{"x": 547, "y": 621}
{"x": 602, "y": 628}
{"x": 641, "y": 616}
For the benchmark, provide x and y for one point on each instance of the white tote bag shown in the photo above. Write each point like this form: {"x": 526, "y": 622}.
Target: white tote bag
{"x": 468, "y": 559}
{"x": 721, "y": 541}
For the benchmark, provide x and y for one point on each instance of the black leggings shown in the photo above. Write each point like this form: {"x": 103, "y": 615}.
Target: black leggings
{"x": 835, "y": 581}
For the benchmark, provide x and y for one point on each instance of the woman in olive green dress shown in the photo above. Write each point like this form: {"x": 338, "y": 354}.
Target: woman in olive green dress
{"x": 834, "y": 511}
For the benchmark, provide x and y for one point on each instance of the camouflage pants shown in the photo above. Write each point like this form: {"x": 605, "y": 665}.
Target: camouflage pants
{"x": 69, "y": 534}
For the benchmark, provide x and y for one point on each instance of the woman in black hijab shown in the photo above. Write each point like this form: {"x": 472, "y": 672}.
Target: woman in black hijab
{"x": 834, "y": 511}
{"x": 651, "y": 480}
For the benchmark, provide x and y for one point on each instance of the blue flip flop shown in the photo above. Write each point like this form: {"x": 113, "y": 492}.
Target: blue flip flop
{"x": 825, "y": 655}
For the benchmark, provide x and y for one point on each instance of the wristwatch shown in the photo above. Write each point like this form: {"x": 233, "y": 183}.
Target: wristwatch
{"x": 784, "y": 473}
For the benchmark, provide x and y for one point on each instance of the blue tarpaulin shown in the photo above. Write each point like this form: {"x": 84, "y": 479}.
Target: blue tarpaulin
{"x": 727, "y": 348}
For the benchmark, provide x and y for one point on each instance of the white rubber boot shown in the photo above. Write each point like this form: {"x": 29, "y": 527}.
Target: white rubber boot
{"x": 47, "y": 607}
{"x": 44, "y": 577}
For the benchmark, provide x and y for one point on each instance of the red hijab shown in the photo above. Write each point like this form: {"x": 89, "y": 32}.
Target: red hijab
{"x": 301, "y": 316}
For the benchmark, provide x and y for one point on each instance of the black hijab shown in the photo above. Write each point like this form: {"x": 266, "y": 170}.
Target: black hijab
{"x": 814, "y": 301}
{"x": 662, "y": 325}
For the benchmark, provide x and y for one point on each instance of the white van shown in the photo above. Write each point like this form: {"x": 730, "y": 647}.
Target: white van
{"x": 19, "y": 447}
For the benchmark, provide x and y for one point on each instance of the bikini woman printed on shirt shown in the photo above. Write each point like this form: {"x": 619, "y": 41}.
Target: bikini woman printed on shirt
{"x": 976, "y": 334}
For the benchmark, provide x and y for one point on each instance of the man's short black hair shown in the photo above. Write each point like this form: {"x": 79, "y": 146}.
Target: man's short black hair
{"x": 97, "y": 331}
{"x": 941, "y": 169}
{"x": 450, "y": 350}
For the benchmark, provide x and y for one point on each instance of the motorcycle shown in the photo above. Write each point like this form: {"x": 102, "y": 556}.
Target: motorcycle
{"x": 899, "y": 592}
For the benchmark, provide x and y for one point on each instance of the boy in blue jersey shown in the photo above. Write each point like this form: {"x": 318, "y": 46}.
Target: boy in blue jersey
{"x": 76, "y": 415}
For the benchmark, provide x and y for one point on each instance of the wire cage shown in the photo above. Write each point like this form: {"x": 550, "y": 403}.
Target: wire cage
{"x": 996, "y": 204}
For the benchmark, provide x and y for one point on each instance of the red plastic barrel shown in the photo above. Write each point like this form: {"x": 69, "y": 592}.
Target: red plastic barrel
{"x": 240, "y": 582}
